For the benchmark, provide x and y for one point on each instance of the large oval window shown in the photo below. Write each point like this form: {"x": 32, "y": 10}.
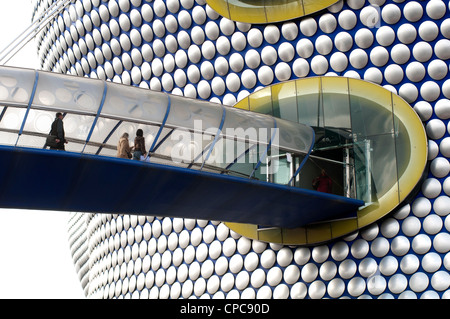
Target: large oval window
{"x": 369, "y": 140}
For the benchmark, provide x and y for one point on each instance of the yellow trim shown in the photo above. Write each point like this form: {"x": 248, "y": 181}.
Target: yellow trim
{"x": 328, "y": 230}
{"x": 261, "y": 101}
{"x": 312, "y": 6}
{"x": 318, "y": 233}
{"x": 255, "y": 14}
{"x": 243, "y": 104}
{"x": 263, "y": 11}
{"x": 419, "y": 149}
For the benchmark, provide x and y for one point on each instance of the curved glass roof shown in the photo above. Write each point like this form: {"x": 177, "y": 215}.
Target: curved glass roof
{"x": 178, "y": 130}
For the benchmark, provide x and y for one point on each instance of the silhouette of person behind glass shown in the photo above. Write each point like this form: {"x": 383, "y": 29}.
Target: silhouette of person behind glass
{"x": 323, "y": 182}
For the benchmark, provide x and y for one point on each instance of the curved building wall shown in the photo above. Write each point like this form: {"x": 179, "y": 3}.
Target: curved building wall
{"x": 184, "y": 47}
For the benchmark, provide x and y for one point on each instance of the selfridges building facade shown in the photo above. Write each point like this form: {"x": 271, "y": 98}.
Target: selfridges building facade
{"x": 184, "y": 47}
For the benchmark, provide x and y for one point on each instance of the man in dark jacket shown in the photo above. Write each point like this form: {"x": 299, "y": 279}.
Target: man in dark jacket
{"x": 58, "y": 131}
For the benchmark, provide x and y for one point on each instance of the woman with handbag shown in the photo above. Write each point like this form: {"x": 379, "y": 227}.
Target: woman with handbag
{"x": 123, "y": 147}
{"x": 139, "y": 145}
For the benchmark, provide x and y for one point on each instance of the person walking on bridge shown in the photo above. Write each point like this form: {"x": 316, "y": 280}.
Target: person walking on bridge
{"x": 57, "y": 131}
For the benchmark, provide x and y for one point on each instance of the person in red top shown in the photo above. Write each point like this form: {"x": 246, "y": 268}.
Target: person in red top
{"x": 323, "y": 182}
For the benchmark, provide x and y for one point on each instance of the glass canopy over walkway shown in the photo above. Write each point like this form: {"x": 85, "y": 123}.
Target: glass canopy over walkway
{"x": 180, "y": 131}
{"x": 205, "y": 160}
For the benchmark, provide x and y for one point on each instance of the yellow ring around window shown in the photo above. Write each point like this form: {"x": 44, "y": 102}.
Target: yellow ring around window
{"x": 413, "y": 167}
{"x": 259, "y": 11}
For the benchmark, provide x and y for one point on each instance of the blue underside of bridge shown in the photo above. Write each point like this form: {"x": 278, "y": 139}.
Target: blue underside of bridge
{"x": 41, "y": 179}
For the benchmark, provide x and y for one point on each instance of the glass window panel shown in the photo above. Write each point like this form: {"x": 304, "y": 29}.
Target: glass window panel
{"x": 245, "y": 165}
{"x": 336, "y": 103}
{"x": 8, "y": 138}
{"x": 108, "y": 152}
{"x": 362, "y": 181}
{"x": 290, "y": 135}
{"x": 224, "y": 152}
{"x": 402, "y": 146}
{"x": 369, "y": 118}
{"x": 91, "y": 149}
{"x": 371, "y": 109}
{"x": 187, "y": 147}
{"x": 230, "y": 150}
{"x": 167, "y": 147}
{"x": 77, "y": 126}
{"x": 245, "y": 125}
{"x": 360, "y": 111}
{"x": 308, "y": 173}
{"x": 151, "y": 136}
{"x": 194, "y": 114}
{"x": 260, "y": 152}
{"x": 383, "y": 164}
{"x": 308, "y": 101}
{"x": 294, "y": 136}
{"x": 261, "y": 101}
{"x": 16, "y": 85}
{"x": 70, "y": 93}
{"x": 74, "y": 147}
{"x": 39, "y": 121}
{"x": 102, "y": 129}
{"x": 216, "y": 158}
{"x": 13, "y": 118}
{"x": 285, "y": 101}
{"x": 279, "y": 168}
{"x": 199, "y": 148}
{"x": 31, "y": 141}
{"x": 139, "y": 104}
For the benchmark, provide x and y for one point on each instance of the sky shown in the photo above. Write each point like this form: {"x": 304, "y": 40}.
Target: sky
{"x": 35, "y": 260}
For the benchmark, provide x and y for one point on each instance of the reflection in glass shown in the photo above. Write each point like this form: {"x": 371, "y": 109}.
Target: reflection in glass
{"x": 12, "y": 119}
{"x": 39, "y": 121}
{"x": 78, "y": 126}
{"x": 102, "y": 128}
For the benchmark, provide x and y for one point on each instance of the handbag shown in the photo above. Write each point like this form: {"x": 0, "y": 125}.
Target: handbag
{"x": 51, "y": 141}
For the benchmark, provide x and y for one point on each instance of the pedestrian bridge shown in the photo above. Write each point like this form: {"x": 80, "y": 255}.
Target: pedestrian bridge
{"x": 205, "y": 160}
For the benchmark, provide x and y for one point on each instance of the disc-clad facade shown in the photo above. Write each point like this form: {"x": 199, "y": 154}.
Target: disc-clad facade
{"x": 185, "y": 48}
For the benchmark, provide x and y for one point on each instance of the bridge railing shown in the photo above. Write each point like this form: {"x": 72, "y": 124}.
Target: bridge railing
{"x": 179, "y": 131}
